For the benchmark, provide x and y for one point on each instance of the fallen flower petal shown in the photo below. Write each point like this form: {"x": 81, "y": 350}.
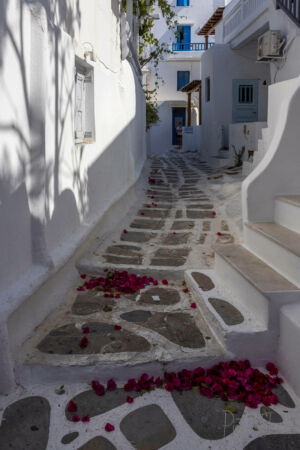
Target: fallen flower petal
{"x": 111, "y": 385}
{"x": 109, "y": 427}
{"x": 214, "y": 213}
{"x": 219, "y": 234}
{"x": 117, "y": 327}
{"x": 125, "y": 231}
{"x": 84, "y": 342}
{"x": 72, "y": 406}
{"x": 85, "y": 418}
{"x": 165, "y": 282}
{"x": 83, "y": 276}
{"x": 186, "y": 290}
{"x": 193, "y": 305}
{"x": 129, "y": 399}
{"x": 85, "y": 330}
{"x": 75, "y": 418}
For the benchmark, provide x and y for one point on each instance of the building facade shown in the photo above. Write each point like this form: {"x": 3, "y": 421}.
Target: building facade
{"x": 178, "y": 69}
{"x": 72, "y": 135}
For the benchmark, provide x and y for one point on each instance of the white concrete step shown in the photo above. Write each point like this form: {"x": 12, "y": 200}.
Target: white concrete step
{"x": 277, "y": 246}
{"x": 247, "y": 167}
{"x": 238, "y": 339}
{"x": 265, "y": 135}
{"x": 287, "y": 212}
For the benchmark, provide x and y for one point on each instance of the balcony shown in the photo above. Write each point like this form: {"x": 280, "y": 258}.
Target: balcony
{"x": 239, "y": 15}
{"x": 190, "y": 47}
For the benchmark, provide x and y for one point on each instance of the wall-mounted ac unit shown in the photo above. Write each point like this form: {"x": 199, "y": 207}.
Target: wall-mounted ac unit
{"x": 269, "y": 46}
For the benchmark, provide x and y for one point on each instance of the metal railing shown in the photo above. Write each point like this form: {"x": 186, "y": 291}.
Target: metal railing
{"x": 292, "y": 8}
{"x": 190, "y": 47}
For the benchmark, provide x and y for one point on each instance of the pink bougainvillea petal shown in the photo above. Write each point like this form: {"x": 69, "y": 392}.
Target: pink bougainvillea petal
{"x": 83, "y": 343}
{"x": 85, "y": 330}
{"x": 117, "y": 327}
{"x": 109, "y": 427}
{"x": 193, "y": 305}
{"x": 85, "y": 418}
{"x": 111, "y": 385}
{"x": 75, "y": 418}
{"x": 165, "y": 282}
{"x": 72, "y": 406}
{"x": 129, "y": 399}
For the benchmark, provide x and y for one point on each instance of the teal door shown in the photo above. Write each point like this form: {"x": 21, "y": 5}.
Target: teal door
{"x": 244, "y": 101}
{"x": 183, "y": 37}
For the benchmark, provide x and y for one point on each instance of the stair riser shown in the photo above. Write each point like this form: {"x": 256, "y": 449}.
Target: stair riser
{"x": 276, "y": 256}
{"x": 248, "y": 295}
{"x": 287, "y": 215}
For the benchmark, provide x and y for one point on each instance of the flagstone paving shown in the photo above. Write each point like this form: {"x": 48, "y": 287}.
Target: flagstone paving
{"x": 184, "y": 212}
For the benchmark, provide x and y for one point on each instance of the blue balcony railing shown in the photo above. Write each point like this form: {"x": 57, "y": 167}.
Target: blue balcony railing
{"x": 190, "y": 47}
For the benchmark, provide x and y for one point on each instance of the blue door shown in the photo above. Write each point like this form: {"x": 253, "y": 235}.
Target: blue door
{"x": 244, "y": 101}
{"x": 183, "y": 37}
{"x": 178, "y": 115}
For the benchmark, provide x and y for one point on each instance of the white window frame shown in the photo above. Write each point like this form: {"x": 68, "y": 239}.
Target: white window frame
{"x": 84, "y": 115}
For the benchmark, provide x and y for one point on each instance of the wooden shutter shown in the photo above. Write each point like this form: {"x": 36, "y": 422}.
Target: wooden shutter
{"x": 79, "y": 106}
{"x": 89, "y": 106}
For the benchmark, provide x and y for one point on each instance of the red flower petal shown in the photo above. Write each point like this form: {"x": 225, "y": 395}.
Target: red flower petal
{"x": 193, "y": 305}
{"x": 129, "y": 399}
{"x": 72, "y": 406}
{"x": 85, "y": 330}
{"x": 84, "y": 342}
{"x": 186, "y": 290}
{"x": 85, "y": 418}
{"x": 125, "y": 231}
{"x": 83, "y": 276}
{"x": 142, "y": 214}
{"x": 111, "y": 385}
{"x": 117, "y": 327}
{"x": 109, "y": 427}
{"x": 214, "y": 213}
{"x": 75, "y": 418}
{"x": 219, "y": 234}
{"x": 165, "y": 282}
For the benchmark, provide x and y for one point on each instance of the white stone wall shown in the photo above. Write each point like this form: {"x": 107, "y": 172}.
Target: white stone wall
{"x": 222, "y": 65}
{"x": 53, "y": 192}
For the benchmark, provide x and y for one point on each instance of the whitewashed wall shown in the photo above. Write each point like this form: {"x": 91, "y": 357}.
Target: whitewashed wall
{"x": 222, "y": 65}
{"x": 53, "y": 192}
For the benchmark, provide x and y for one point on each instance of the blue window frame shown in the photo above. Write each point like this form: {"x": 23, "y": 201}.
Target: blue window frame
{"x": 183, "y": 3}
{"x": 183, "y": 78}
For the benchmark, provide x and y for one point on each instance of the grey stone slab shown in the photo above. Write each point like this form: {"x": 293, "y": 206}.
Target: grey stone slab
{"x": 225, "y": 238}
{"x": 228, "y": 312}
{"x": 202, "y": 238}
{"x": 284, "y": 397}
{"x": 171, "y": 252}
{"x": 207, "y": 416}
{"x": 98, "y": 443}
{"x": 203, "y": 281}
{"x": 102, "y": 338}
{"x": 123, "y": 250}
{"x": 176, "y": 239}
{"x": 183, "y": 225}
{"x": 179, "y": 328}
{"x": 113, "y": 259}
{"x": 90, "y": 303}
{"x": 70, "y": 437}
{"x": 158, "y": 205}
{"x": 148, "y": 428}
{"x": 137, "y": 316}
{"x": 88, "y": 402}
{"x": 270, "y": 415}
{"x": 137, "y": 236}
{"x": 275, "y": 442}
{"x": 206, "y": 226}
{"x": 166, "y": 296}
{"x": 200, "y": 206}
{"x": 224, "y": 225}
{"x": 191, "y": 214}
{"x": 25, "y": 425}
{"x": 148, "y": 224}
{"x": 179, "y": 214}
{"x": 168, "y": 262}
{"x": 154, "y": 213}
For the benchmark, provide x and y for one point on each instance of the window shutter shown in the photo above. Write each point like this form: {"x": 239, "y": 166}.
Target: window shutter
{"x": 79, "y": 106}
{"x": 89, "y": 109}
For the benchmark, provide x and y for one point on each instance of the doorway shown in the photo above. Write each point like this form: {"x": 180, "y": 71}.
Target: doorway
{"x": 244, "y": 101}
{"x": 178, "y": 115}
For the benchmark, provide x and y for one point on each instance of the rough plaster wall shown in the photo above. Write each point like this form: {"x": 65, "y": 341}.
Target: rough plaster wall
{"x": 51, "y": 191}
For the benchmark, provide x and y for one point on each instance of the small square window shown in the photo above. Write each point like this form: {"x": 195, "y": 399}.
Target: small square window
{"x": 207, "y": 89}
{"x": 84, "y": 117}
{"x": 183, "y": 78}
{"x": 246, "y": 93}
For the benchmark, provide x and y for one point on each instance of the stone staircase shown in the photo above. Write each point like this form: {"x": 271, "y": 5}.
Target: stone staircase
{"x": 262, "y": 146}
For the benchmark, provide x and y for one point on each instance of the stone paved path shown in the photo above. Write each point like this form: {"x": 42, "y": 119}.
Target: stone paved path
{"x": 186, "y": 209}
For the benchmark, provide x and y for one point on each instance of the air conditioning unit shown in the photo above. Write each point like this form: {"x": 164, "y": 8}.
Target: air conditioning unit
{"x": 269, "y": 46}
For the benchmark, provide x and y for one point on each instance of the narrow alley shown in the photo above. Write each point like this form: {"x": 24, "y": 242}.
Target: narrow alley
{"x": 99, "y": 338}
